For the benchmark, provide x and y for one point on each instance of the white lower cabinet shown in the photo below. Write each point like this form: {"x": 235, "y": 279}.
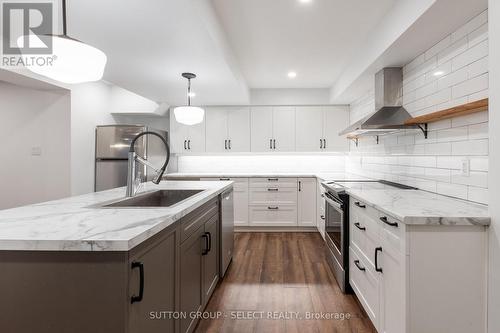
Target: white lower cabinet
{"x": 320, "y": 208}
{"x": 273, "y": 215}
{"x": 417, "y": 278}
{"x": 306, "y": 209}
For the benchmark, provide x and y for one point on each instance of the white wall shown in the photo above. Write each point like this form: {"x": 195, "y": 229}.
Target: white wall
{"x": 34, "y": 119}
{"x": 262, "y": 163}
{"x": 289, "y": 96}
{"x": 494, "y": 175}
{"x": 434, "y": 163}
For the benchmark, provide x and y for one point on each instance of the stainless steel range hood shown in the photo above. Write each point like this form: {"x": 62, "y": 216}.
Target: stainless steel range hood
{"x": 390, "y": 115}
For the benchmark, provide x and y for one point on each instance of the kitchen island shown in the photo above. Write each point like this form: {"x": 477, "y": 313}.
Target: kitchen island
{"x": 72, "y": 265}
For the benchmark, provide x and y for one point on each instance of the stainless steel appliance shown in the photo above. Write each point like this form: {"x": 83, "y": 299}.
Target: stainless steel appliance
{"x": 227, "y": 231}
{"x": 337, "y": 223}
{"x": 112, "y": 145}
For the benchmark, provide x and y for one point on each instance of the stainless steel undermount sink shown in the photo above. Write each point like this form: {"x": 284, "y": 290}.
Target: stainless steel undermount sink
{"x": 160, "y": 198}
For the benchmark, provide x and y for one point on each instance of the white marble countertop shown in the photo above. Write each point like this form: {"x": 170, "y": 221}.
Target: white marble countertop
{"x": 321, "y": 175}
{"x": 424, "y": 208}
{"x": 71, "y": 224}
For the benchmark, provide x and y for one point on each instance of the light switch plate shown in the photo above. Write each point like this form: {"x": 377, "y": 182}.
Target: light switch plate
{"x": 466, "y": 167}
{"x": 36, "y": 151}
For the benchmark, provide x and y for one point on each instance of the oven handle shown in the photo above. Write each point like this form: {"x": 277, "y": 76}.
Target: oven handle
{"x": 333, "y": 203}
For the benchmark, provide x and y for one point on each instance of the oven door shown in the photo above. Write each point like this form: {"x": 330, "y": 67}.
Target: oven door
{"x": 334, "y": 227}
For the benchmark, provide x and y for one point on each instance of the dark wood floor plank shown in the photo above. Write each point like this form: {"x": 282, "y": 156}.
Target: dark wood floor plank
{"x": 282, "y": 273}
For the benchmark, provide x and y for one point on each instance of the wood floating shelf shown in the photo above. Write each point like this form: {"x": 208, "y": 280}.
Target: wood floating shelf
{"x": 461, "y": 110}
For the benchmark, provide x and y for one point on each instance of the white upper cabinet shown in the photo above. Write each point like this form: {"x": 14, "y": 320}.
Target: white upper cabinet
{"x": 284, "y": 128}
{"x": 336, "y": 118}
{"x": 309, "y": 128}
{"x": 186, "y": 139}
{"x": 238, "y": 129}
{"x": 228, "y": 129}
{"x": 318, "y": 127}
{"x": 273, "y": 128}
{"x": 262, "y": 128}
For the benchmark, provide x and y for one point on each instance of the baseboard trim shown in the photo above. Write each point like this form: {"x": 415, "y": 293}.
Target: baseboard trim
{"x": 275, "y": 229}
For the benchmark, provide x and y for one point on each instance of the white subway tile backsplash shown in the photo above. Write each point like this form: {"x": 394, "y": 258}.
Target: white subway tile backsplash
{"x": 471, "y": 55}
{"x": 478, "y": 67}
{"x": 475, "y": 178}
{"x": 451, "y": 73}
{"x": 453, "y": 78}
{"x": 478, "y": 194}
{"x": 453, "y": 190}
{"x": 451, "y": 52}
{"x": 452, "y": 134}
{"x": 478, "y": 35}
{"x": 478, "y": 131}
{"x": 470, "y": 119}
{"x": 471, "y": 148}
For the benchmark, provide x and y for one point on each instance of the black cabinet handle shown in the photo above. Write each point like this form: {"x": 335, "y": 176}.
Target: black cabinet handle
{"x": 185, "y": 147}
{"x": 392, "y": 224}
{"x": 324, "y": 143}
{"x": 205, "y": 250}
{"x": 322, "y": 217}
{"x": 224, "y": 179}
{"x": 300, "y": 186}
{"x": 357, "y": 225}
{"x": 378, "y": 269}
{"x": 273, "y": 208}
{"x": 274, "y": 144}
{"x": 356, "y": 262}
{"x": 229, "y": 144}
{"x": 209, "y": 242}
{"x": 189, "y": 144}
{"x": 273, "y": 189}
{"x": 272, "y": 179}
{"x": 134, "y": 298}
{"x": 320, "y": 143}
{"x": 357, "y": 203}
{"x": 270, "y": 143}
{"x": 225, "y": 144}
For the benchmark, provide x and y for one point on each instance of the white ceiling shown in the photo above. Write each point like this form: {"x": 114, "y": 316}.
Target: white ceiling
{"x": 232, "y": 45}
{"x": 316, "y": 39}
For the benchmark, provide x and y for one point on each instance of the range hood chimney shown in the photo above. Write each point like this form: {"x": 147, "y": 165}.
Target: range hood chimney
{"x": 389, "y": 115}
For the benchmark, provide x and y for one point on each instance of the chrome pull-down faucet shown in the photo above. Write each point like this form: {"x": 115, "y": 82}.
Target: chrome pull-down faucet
{"x": 133, "y": 183}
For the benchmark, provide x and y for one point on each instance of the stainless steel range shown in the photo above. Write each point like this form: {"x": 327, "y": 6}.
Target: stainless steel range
{"x": 337, "y": 223}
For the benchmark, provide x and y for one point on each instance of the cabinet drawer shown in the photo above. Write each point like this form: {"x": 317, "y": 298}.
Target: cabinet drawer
{"x": 273, "y": 215}
{"x": 271, "y": 194}
{"x": 364, "y": 237}
{"x": 365, "y": 284}
{"x": 194, "y": 220}
{"x": 273, "y": 181}
{"x": 392, "y": 232}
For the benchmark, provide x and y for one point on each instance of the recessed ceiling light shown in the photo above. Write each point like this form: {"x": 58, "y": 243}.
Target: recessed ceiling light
{"x": 292, "y": 75}
{"x": 438, "y": 73}
{"x": 305, "y": 1}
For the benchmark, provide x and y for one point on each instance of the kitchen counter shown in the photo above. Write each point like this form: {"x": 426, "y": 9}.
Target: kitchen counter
{"x": 324, "y": 176}
{"x": 423, "y": 208}
{"x": 72, "y": 224}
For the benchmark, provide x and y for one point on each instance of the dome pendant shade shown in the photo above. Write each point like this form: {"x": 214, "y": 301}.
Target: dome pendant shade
{"x": 74, "y": 61}
{"x": 189, "y": 115}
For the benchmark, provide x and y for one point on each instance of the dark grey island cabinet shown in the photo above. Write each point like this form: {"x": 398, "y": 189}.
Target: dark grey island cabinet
{"x": 170, "y": 275}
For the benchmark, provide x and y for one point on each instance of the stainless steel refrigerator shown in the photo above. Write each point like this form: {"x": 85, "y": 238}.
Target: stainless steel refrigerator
{"x": 112, "y": 143}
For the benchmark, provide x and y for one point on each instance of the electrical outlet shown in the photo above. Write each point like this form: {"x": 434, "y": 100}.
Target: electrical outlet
{"x": 466, "y": 167}
{"x": 36, "y": 151}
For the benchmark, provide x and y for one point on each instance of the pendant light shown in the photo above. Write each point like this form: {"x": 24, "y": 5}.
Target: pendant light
{"x": 189, "y": 115}
{"x": 74, "y": 61}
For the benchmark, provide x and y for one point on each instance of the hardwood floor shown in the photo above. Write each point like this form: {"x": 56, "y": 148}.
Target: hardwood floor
{"x": 281, "y": 273}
